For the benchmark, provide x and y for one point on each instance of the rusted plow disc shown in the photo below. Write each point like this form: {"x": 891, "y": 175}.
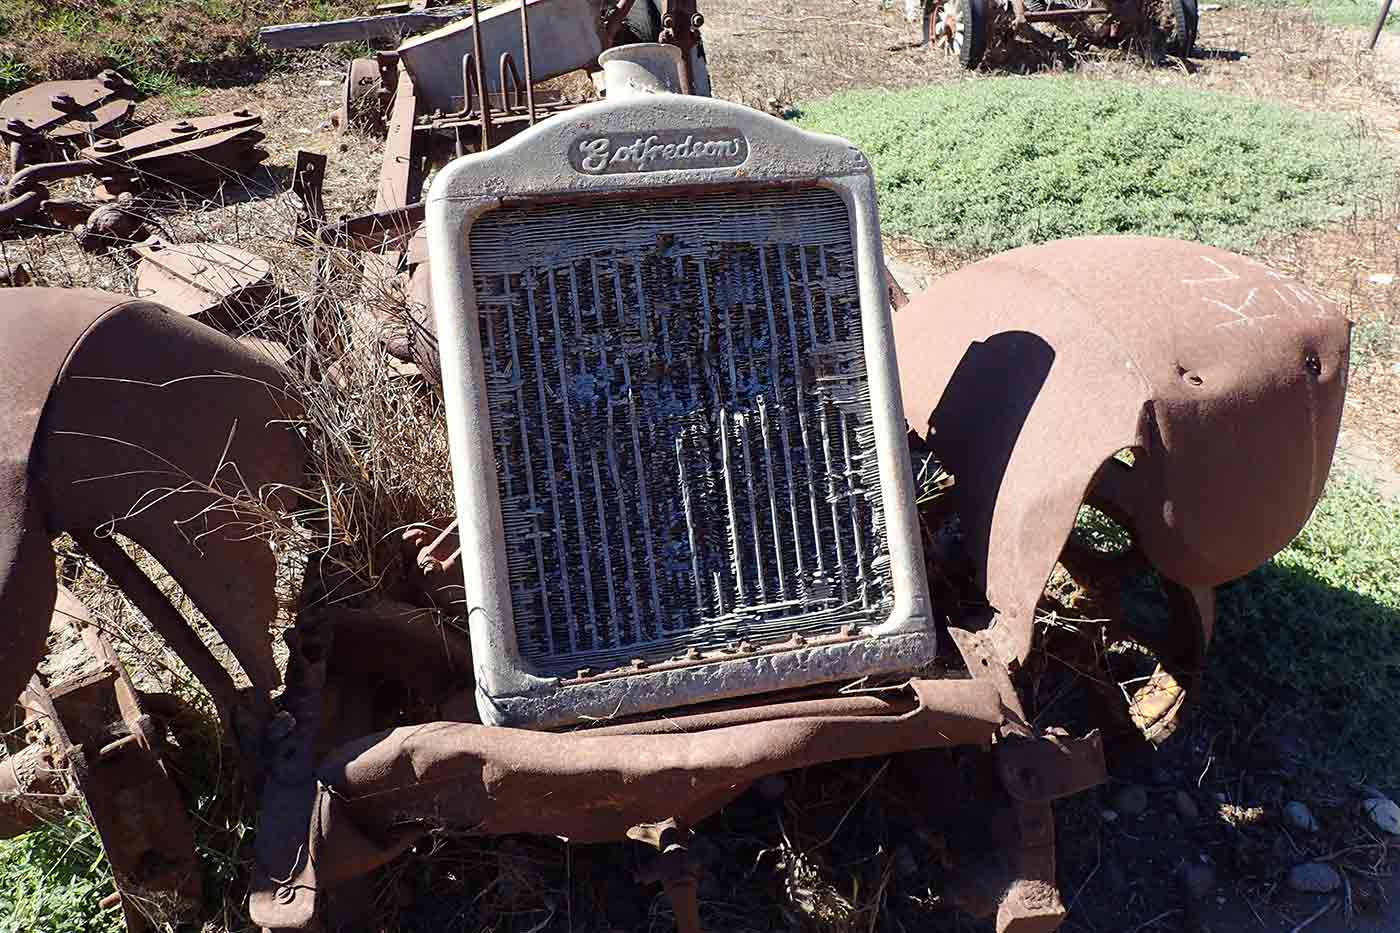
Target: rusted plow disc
{"x": 215, "y": 284}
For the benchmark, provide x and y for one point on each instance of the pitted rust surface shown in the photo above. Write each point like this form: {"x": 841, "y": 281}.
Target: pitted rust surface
{"x": 1204, "y": 364}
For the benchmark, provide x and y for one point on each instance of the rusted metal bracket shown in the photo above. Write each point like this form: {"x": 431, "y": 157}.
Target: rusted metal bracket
{"x": 377, "y": 231}
{"x": 193, "y": 151}
{"x": 400, "y": 174}
{"x": 55, "y": 114}
{"x": 368, "y": 93}
{"x": 308, "y": 177}
{"x": 112, "y": 748}
{"x": 674, "y": 868}
{"x": 613, "y": 19}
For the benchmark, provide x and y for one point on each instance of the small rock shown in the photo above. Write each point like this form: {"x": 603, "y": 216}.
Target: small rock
{"x": 1384, "y": 813}
{"x": 1130, "y": 800}
{"x": 1395, "y": 369}
{"x": 1380, "y": 278}
{"x": 772, "y": 787}
{"x": 1198, "y": 880}
{"x": 1210, "y": 8}
{"x": 1186, "y": 806}
{"x": 1296, "y": 815}
{"x": 1220, "y": 797}
{"x": 1314, "y": 878}
{"x": 1109, "y": 815}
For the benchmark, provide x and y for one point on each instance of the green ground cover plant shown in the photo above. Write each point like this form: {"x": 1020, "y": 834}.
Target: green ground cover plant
{"x": 982, "y": 166}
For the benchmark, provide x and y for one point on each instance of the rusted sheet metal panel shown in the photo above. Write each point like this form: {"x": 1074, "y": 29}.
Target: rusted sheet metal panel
{"x": 1204, "y": 363}
{"x": 379, "y": 793}
{"x": 564, "y": 37}
{"x": 214, "y": 283}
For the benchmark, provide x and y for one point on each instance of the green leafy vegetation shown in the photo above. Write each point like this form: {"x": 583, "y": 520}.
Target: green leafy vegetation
{"x": 987, "y": 165}
{"x": 14, "y": 74}
{"x": 162, "y": 48}
{"x": 1313, "y": 637}
{"x": 1311, "y": 640}
{"x": 52, "y": 878}
{"x": 1355, "y": 13}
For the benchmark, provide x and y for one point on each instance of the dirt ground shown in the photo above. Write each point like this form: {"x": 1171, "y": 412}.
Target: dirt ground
{"x": 832, "y": 849}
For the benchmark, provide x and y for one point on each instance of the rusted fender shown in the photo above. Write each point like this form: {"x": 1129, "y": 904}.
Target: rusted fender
{"x": 380, "y": 792}
{"x": 121, "y": 415}
{"x": 1031, "y": 369}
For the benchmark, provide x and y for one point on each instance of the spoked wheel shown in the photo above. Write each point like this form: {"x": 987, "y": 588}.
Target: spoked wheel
{"x": 960, "y": 28}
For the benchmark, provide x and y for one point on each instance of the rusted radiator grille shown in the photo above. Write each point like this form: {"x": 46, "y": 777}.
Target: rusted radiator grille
{"x": 681, "y": 424}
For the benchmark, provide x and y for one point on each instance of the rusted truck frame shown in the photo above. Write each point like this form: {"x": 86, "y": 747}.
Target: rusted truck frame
{"x": 126, "y": 418}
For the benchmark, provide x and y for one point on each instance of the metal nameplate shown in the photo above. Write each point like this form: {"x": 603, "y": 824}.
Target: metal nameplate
{"x": 660, "y": 151}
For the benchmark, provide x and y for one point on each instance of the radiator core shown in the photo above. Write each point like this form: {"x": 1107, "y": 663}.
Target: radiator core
{"x": 681, "y": 423}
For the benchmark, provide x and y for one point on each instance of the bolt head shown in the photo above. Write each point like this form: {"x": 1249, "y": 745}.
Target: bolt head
{"x": 107, "y": 145}
{"x": 183, "y": 126}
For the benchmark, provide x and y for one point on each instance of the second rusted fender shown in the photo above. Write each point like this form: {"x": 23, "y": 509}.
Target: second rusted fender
{"x": 1031, "y": 369}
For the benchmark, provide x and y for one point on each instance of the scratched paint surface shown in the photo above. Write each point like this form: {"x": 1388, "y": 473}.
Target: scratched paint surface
{"x": 681, "y": 423}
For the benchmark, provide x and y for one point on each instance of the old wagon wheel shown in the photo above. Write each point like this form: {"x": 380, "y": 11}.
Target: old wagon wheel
{"x": 960, "y": 28}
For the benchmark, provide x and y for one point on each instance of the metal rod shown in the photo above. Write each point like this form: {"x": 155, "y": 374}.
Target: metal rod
{"x": 1381, "y": 15}
{"x": 529, "y": 73}
{"x": 1042, "y": 16}
{"x": 163, "y": 617}
{"x": 481, "y": 78}
{"x": 469, "y": 91}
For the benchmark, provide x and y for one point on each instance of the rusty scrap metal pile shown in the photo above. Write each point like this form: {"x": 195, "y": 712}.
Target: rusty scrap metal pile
{"x": 687, "y": 549}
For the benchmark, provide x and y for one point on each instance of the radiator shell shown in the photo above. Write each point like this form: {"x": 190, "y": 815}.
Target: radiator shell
{"x": 680, "y": 157}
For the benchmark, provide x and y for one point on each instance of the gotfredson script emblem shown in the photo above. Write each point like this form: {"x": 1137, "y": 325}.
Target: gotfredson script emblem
{"x": 659, "y": 151}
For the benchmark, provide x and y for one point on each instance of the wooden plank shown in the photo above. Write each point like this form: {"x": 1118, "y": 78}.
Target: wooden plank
{"x": 359, "y": 28}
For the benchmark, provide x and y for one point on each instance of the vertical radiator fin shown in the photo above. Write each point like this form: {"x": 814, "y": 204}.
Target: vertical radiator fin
{"x": 681, "y": 423}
